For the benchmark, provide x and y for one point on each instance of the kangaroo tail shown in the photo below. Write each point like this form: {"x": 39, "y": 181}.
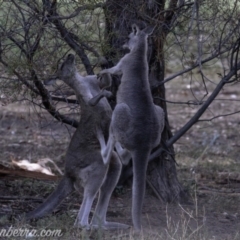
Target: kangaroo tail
{"x": 140, "y": 161}
{"x": 64, "y": 188}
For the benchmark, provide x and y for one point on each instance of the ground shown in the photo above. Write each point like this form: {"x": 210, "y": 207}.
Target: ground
{"x": 208, "y": 168}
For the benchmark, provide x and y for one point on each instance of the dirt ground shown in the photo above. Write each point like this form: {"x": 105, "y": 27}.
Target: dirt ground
{"x": 208, "y": 168}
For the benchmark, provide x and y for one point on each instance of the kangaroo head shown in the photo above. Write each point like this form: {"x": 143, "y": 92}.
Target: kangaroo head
{"x": 67, "y": 68}
{"x": 137, "y": 36}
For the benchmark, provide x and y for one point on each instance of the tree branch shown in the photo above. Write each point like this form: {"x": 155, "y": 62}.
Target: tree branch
{"x": 199, "y": 113}
{"x": 78, "y": 10}
{"x": 26, "y": 83}
{"x": 172, "y": 14}
{"x": 218, "y": 116}
{"x": 170, "y": 11}
{"x": 66, "y": 100}
{"x": 40, "y": 89}
{"x": 215, "y": 55}
{"x": 70, "y": 38}
{"x": 46, "y": 100}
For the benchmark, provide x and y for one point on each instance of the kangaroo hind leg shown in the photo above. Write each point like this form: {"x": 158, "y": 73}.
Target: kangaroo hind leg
{"x": 140, "y": 160}
{"x": 92, "y": 177}
{"x": 83, "y": 214}
{"x": 99, "y": 217}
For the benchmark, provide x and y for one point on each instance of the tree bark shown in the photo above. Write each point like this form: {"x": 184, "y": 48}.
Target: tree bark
{"x": 120, "y": 15}
{"x": 162, "y": 171}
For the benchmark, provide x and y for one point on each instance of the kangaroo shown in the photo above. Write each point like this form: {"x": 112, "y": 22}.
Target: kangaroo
{"x": 136, "y": 122}
{"x": 83, "y": 161}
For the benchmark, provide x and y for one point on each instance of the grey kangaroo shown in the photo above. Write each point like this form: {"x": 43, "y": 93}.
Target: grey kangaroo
{"x": 83, "y": 161}
{"x": 136, "y": 123}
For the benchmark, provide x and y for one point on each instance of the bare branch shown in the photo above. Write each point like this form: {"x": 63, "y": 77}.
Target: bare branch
{"x": 66, "y": 100}
{"x": 31, "y": 87}
{"x": 78, "y": 10}
{"x": 71, "y": 39}
{"x": 17, "y": 43}
{"x": 196, "y": 103}
{"x": 214, "y": 55}
{"x": 218, "y": 116}
{"x": 26, "y": 83}
{"x": 235, "y": 51}
{"x": 199, "y": 113}
{"x": 170, "y": 11}
{"x": 46, "y": 98}
{"x": 173, "y": 12}
{"x": 40, "y": 89}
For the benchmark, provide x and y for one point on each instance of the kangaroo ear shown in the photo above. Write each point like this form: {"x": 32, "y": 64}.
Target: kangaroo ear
{"x": 70, "y": 58}
{"x": 135, "y": 29}
{"x": 149, "y": 30}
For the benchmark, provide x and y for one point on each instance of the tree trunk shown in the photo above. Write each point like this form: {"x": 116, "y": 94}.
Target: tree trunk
{"x": 161, "y": 174}
{"x": 162, "y": 171}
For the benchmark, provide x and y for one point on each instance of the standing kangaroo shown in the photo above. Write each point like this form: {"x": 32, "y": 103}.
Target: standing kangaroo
{"x": 136, "y": 123}
{"x": 83, "y": 161}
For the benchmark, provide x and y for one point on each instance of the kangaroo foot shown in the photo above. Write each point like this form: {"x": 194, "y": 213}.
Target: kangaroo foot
{"x": 110, "y": 226}
{"x": 83, "y": 226}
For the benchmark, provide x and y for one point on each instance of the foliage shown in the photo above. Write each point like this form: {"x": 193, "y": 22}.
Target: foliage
{"x": 31, "y": 44}
{"x": 35, "y": 35}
